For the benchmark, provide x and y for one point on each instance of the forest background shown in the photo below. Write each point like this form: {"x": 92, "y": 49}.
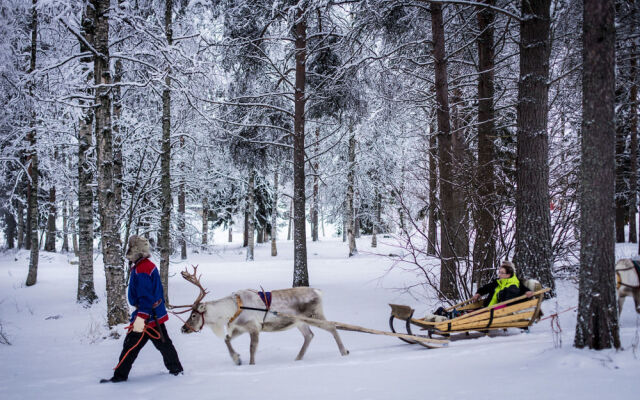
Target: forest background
{"x": 471, "y": 131}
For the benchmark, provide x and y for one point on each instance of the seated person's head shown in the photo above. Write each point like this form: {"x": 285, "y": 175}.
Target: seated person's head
{"x": 506, "y": 270}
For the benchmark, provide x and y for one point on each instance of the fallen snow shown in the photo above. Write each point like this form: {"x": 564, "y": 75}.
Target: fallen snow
{"x": 58, "y": 349}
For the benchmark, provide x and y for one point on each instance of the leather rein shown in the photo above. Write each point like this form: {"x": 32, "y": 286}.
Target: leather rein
{"x": 192, "y": 309}
{"x": 239, "y": 308}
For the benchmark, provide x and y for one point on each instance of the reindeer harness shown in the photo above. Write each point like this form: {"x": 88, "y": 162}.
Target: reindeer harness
{"x": 266, "y": 299}
{"x": 636, "y": 267}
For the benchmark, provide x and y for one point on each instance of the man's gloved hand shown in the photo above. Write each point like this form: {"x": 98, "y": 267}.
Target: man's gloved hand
{"x": 138, "y": 324}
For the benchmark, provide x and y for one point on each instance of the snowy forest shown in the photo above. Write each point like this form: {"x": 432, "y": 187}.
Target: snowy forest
{"x": 463, "y": 132}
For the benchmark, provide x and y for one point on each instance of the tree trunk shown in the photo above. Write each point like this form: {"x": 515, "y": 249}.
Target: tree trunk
{"x": 32, "y": 159}
{"x": 433, "y": 193}
{"x": 344, "y": 226}
{"x": 376, "y": 219}
{"x": 65, "y": 226}
{"x": 82, "y": 235}
{"x": 274, "y": 216}
{"x": 117, "y": 309}
{"x": 9, "y": 227}
{"x": 50, "y": 242}
{"x": 633, "y": 177}
{"x": 205, "y": 222}
{"x": 230, "y": 234}
{"x": 181, "y": 220}
{"x": 86, "y": 293}
{"x": 27, "y": 229}
{"x": 164, "y": 238}
{"x": 251, "y": 214}
{"x": 484, "y": 249}
{"x": 300, "y": 272}
{"x": 290, "y": 224}
{"x": 245, "y": 242}
{"x": 182, "y": 210}
{"x": 20, "y": 221}
{"x": 460, "y": 164}
{"x": 259, "y": 235}
{"x": 74, "y": 235}
{"x": 349, "y": 211}
{"x": 449, "y": 198}
{"x": 621, "y": 185}
{"x": 533, "y": 254}
{"x": 322, "y": 224}
{"x": 597, "y": 323}
{"x": 118, "y": 162}
{"x": 314, "y": 202}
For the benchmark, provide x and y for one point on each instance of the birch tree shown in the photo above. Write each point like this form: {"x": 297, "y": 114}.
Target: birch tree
{"x": 300, "y": 272}
{"x": 32, "y": 158}
{"x": 164, "y": 239}
{"x": 117, "y": 309}
{"x": 86, "y": 292}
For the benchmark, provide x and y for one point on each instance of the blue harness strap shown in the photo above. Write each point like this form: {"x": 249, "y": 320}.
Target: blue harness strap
{"x": 266, "y": 298}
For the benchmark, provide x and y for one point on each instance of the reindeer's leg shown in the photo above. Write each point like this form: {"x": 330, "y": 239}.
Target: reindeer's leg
{"x": 227, "y": 340}
{"x": 334, "y": 332}
{"x": 322, "y": 323}
{"x": 253, "y": 346}
{"x": 308, "y": 335}
{"x": 621, "y": 296}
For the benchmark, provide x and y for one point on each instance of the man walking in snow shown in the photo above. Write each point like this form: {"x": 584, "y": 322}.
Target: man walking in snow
{"x": 147, "y": 321}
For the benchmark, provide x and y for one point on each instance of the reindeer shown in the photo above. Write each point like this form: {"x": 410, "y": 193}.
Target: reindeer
{"x": 628, "y": 282}
{"x": 244, "y": 311}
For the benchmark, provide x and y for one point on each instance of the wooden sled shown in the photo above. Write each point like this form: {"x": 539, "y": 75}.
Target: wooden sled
{"x": 520, "y": 312}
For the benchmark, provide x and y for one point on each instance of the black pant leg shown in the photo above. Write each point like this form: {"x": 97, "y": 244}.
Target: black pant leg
{"x": 168, "y": 351}
{"x": 122, "y": 372}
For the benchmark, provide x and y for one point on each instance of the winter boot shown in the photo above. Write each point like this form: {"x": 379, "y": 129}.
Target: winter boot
{"x": 113, "y": 379}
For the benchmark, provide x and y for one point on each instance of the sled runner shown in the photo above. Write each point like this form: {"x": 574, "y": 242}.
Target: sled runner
{"x": 520, "y": 312}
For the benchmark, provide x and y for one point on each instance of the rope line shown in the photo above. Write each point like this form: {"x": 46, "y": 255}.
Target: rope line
{"x": 556, "y": 314}
{"x": 148, "y": 330}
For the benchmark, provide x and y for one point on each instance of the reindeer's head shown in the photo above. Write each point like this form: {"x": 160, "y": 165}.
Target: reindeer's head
{"x": 195, "y": 322}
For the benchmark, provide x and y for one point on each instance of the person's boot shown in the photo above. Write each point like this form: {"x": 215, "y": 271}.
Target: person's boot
{"x": 113, "y": 379}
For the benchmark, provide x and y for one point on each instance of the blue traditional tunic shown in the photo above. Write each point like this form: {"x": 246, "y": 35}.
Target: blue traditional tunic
{"x": 146, "y": 294}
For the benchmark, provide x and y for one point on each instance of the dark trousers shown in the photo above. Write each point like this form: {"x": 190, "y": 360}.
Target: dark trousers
{"x": 169, "y": 354}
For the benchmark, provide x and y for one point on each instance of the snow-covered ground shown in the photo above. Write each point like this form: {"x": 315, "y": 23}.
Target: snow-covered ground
{"x": 59, "y": 351}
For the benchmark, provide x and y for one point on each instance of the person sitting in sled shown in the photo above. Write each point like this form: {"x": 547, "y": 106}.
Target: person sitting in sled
{"x": 147, "y": 321}
{"x": 506, "y": 287}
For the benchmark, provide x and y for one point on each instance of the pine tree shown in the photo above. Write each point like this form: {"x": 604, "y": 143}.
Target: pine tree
{"x": 597, "y": 326}
{"x": 533, "y": 255}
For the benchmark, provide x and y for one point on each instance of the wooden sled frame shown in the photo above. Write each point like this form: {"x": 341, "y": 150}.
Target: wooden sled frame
{"x": 520, "y": 312}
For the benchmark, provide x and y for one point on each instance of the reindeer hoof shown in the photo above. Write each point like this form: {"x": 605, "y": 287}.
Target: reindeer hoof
{"x": 237, "y": 360}
{"x": 346, "y": 353}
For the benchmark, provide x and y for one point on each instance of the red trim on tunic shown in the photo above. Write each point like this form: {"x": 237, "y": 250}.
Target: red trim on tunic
{"x": 145, "y": 267}
{"x": 161, "y": 320}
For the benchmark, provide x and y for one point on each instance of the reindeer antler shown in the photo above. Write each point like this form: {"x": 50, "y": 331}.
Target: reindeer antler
{"x": 196, "y": 281}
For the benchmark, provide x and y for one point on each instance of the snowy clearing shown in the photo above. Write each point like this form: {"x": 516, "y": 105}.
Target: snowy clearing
{"x": 58, "y": 349}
